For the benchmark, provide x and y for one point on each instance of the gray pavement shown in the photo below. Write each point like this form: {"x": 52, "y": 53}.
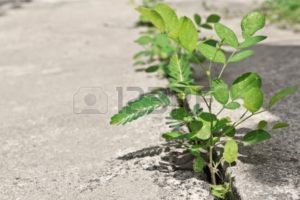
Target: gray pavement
{"x": 50, "y": 49}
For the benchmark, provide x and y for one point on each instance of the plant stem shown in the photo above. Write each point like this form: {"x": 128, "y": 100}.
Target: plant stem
{"x": 226, "y": 64}
{"x": 211, "y": 168}
{"x": 220, "y": 111}
{"x": 205, "y": 101}
{"x": 243, "y": 120}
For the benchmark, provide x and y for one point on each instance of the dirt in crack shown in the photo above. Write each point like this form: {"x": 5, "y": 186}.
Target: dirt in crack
{"x": 172, "y": 158}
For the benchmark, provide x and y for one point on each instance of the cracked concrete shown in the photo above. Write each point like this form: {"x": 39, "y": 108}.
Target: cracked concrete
{"x": 49, "y": 49}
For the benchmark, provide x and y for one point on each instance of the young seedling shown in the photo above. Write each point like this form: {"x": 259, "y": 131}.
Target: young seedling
{"x": 208, "y": 137}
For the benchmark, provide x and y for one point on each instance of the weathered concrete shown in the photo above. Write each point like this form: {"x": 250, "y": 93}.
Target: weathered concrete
{"x": 49, "y": 49}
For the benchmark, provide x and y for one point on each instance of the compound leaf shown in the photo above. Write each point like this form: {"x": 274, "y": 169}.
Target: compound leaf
{"x": 280, "y": 95}
{"x": 140, "y": 107}
{"x": 179, "y": 70}
{"x": 226, "y": 35}
{"x": 251, "y": 23}
{"x": 256, "y": 136}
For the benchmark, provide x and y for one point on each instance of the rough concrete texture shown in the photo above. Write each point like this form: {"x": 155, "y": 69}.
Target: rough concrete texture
{"x": 49, "y": 49}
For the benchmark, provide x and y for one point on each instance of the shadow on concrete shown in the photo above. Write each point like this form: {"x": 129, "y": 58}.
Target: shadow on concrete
{"x": 276, "y": 161}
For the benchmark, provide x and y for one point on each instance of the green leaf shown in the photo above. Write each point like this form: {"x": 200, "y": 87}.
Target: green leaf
{"x": 188, "y": 34}
{"x": 195, "y": 149}
{"x": 202, "y": 131}
{"x": 251, "y": 23}
{"x": 253, "y": 99}
{"x": 161, "y": 40}
{"x": 221, "y": 124}
{"x": 186, "y": 88}
{"x": 220, "y": 91}
{"x": 256, "y": 136}
{"x": 206, "y": 26}
{"x": 173, "y": 135}
{"x": 141, "y": 54}
{"x": 241, "y": 56}
{"x": 198, "y": 164}
{"x": 220, "y": 191}
{"x": 252, "y": 41}
{"x": 213, "y": 18}
{"x": 229, "y": 131}
{"x": 195, "y": 126}
{"x": 244, "y": 83}
{"x": 212, "y": 53}
{"x": 168, "y": 15}
{"x": 232, "y": 105}
{"x": 230, "y": 151}
{"x": 143, "y": 40}
{"x": 208, "y": 116}
{"x": 179, "y": 71}
{"x": 152, "y": 69}
{"x": 197, "y": 19}
{"x": 226, "y": 35}
{"x": 140, "y": 107}
{"x": 262, "y": 124}
{"x": 179, "y": 114}
{"x": 153, "y": 16}
{"x": 280, "y": 95}
{"x": 280, "y": 125}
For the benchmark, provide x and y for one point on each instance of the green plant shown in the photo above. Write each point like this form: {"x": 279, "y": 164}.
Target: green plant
{"x": 208, "y": 137}
{"x": 287, "y": 11}
{"x": 158, "y": 48}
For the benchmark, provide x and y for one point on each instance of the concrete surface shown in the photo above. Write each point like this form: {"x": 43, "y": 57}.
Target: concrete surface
{"x": 50, "y": 49}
